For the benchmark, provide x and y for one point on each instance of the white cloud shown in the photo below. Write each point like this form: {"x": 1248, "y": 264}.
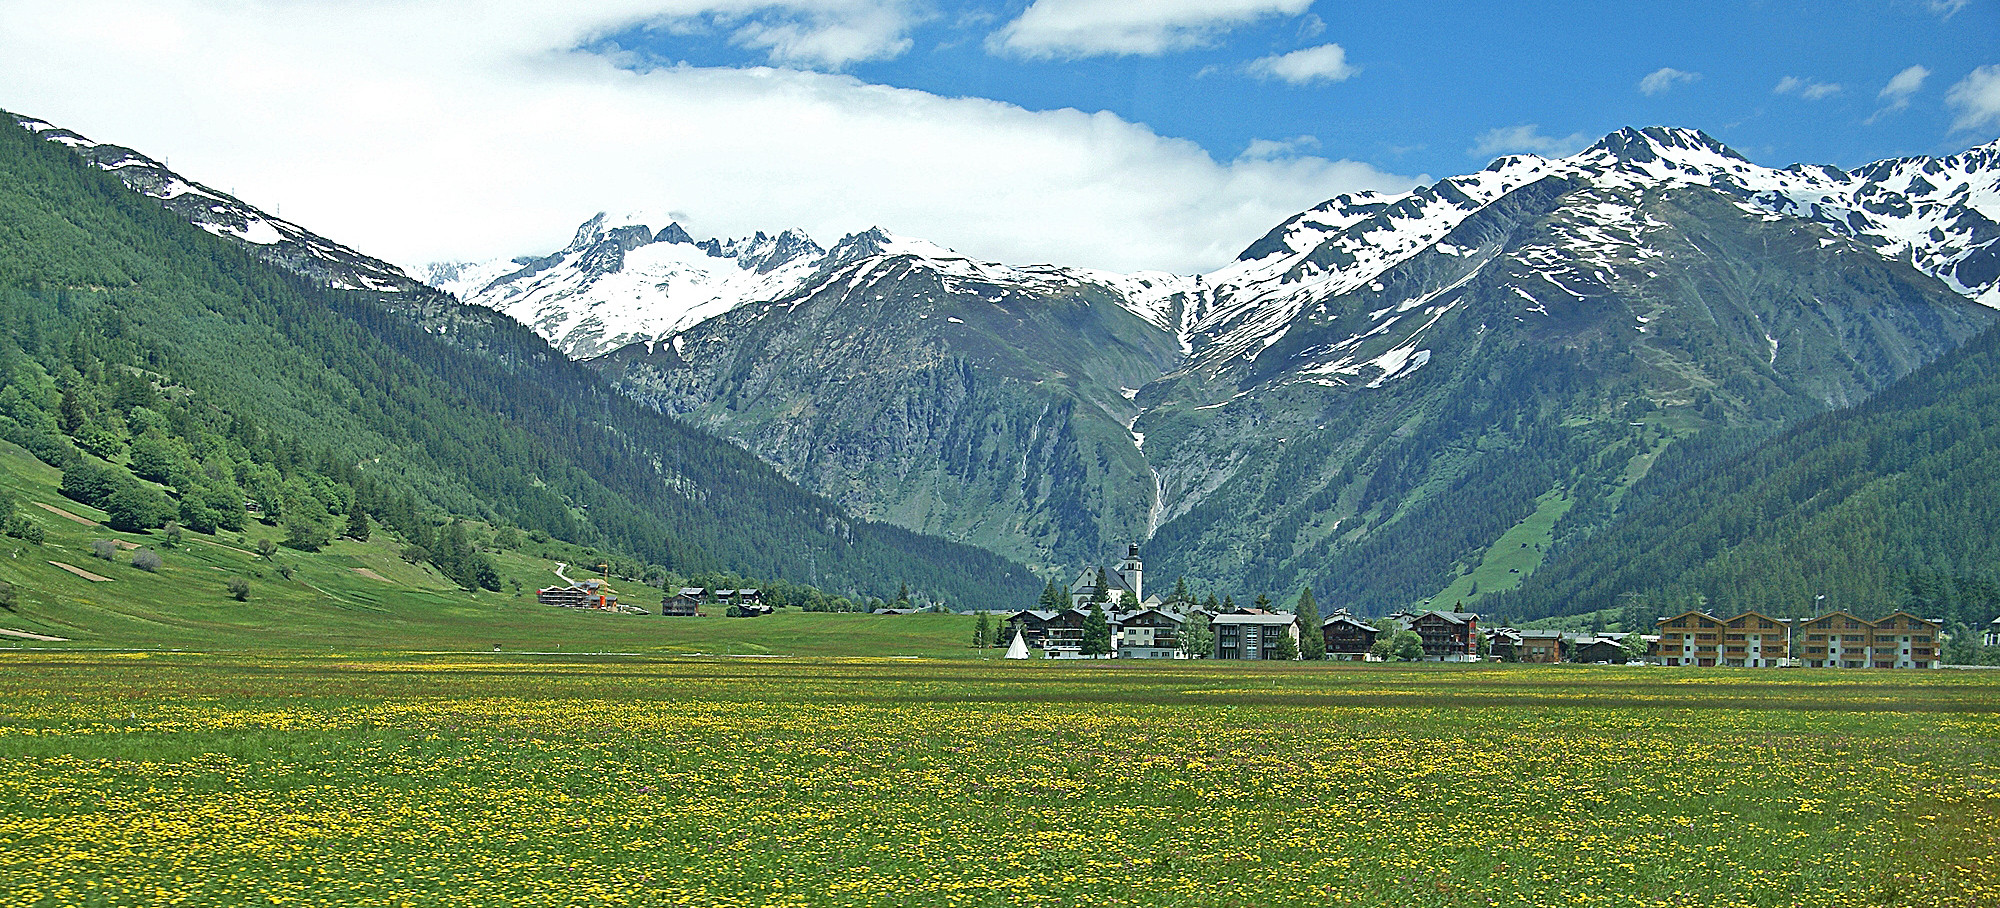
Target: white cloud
{"x": 1664, "y": 78}
{"x": 1086, "y": 28}
{"x": 828, "y": 35}
{"x": 1273, "y": 149}
{"x": 1804, "y": 88}
{"x": 1977, "y": 99}
{"x": 1945, "y": 9}
{"x": 1903, "y": 85}
{"x": 1325, "y": 63}
{"x": 1528, "y": 138}
{"x": 466, "y": 129}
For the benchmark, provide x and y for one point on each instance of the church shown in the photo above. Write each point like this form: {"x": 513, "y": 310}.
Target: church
{"x": 1128, "y": 576}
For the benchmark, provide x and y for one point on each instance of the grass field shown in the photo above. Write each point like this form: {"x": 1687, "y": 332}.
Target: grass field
{"x": 164, "y": 779}
{"x": 354, "y": 596}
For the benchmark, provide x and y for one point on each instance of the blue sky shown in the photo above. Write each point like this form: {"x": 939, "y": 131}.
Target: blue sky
{"x": 1104, "y": 133}
{"x": 1436, "y": 87}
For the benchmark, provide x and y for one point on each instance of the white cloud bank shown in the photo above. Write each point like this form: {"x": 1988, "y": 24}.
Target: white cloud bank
{"x": 1088, "y": 28}
{"x": 454, "y": 129}
{"x": 1976, "y": 98}
{"x": 1325, "y": 63}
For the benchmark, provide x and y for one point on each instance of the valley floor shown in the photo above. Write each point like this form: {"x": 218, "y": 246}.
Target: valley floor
{"x": 538, "y": 780}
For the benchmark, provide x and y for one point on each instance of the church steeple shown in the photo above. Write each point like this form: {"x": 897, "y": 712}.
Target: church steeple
{"x": 1132, "y": 570}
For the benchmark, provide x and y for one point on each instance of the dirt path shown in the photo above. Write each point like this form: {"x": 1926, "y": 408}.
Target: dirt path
{"x": 62, "y": 513}
{"x": 370, "y": 574}
{"x": 7, "y": 632}
{"x": 80, "y": 572}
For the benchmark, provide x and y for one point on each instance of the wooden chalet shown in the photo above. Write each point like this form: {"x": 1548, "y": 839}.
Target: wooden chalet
{"x": 1347, "y": 638}
{"x": 1691, "y": 638}
{"x": 685, "y": 602}
{"x": 1448, "y": 636}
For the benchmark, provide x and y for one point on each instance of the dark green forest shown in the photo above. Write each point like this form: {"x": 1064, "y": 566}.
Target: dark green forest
{"x": 1893, "y": 504}
{"x": 172, "y": 376}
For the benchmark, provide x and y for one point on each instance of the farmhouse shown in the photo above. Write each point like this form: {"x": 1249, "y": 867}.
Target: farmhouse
{"x": 1537, "y": 647}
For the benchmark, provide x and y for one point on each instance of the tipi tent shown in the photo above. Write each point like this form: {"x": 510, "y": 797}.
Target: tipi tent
{"x": 1019, "y": 648}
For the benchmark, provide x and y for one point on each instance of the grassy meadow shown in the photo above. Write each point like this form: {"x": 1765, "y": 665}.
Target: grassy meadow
{"x": 183, "y": 779}
{"x": 359, "y": 596}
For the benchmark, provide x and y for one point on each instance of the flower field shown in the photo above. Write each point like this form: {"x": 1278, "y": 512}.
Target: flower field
{"x": 411, "y": 780}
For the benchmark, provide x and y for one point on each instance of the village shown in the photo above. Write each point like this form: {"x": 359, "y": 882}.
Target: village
{"x": 1106, "y": 613}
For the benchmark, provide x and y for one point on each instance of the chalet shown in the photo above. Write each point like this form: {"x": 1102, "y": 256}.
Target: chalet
{"x": 1691, "y": 638}
{"x": 1756, "y": 640}
{"x": 1531, "y": 646}
{"x": 1448, "y": 636}
{"x": 587, "y": 594}
{"x": 1594, "y": 648}
{"x": 1240, "y": 636}
{"x": 1347, "y": 638}
{"x": 684, "y": 603}
{"x": 1032, "y": 625}
{"x": 1834, "y": 640}
{"x": 1992, "y": 635}
{"x": 1149, "y": 633}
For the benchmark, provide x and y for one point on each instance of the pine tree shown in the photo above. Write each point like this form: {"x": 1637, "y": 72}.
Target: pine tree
{"x": 357, "y": 522}
{"x": 1053, "y": 599}
{"x": 1103, "y": 594}
{"x": 982, "y": 632}
{"x": 1211, "y": 606}
{"x": 1181, "y": 596}
{"x": 1263, "y": 603}
{"x": 1312, "y": 643}
{"x": 1096, "y": 632}
{"x": 1128, "y": 602}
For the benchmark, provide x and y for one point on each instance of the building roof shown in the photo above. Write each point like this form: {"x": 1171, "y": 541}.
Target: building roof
{"x": 1344, "y": 618}
{"x": 1255, "y": 619}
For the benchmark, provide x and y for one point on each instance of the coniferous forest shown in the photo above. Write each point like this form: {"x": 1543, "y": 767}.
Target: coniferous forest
{"x": 174, "y": 377}
{"x": 1893, "y": 504}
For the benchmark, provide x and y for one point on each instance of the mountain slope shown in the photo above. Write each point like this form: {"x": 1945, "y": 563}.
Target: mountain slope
{"x": 987, "y": 404}
{"x": 455, "y": 406}
{"x": 1891, "y": 504}
{"x": 1374, "y": 393}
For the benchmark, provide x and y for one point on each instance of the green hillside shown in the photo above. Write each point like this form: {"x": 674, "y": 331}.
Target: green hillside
{"x": 173, "y": 376}
{"x": 1894, "y": 504}
{"x": 355, "y": 596}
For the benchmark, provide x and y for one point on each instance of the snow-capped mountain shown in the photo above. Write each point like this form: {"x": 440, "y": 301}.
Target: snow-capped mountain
{"x": 642, "y": 277}
{"x": 277, "y": 240}
{"x": 628, "y": 278}
{"x": 1939, "y": 214}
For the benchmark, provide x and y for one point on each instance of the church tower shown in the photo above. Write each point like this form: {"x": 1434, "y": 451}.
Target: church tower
{"x": 1131, "y": 570}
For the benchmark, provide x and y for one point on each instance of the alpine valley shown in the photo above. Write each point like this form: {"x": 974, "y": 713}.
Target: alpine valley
{"x": 1387, "y": 397}
{"x": 1390, "y": 398}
